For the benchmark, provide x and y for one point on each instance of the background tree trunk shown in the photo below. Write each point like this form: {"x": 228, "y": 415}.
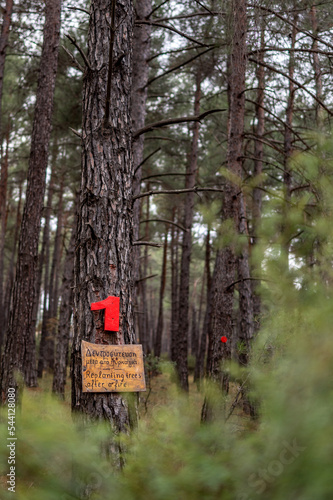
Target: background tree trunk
{"x": 159, "y": 327}
{"x": 225, "y": 264}
{"x": 200, "y": 361}
{"x": 19, "y": 352}
{"x": 3, "y": 225}
{"x": 103, "y": 260}
{"x": 66, "y": 310}
{"x": 174, "y": 261}
{"x": 184, "y": 280}
{"x": 44, "y": 261}
{"x": 5, "y": 28}
{"x": 258, "y": 165}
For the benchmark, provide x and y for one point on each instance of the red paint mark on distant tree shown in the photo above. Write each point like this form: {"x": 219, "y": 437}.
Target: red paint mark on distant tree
{"x": 224, "y": 339}
{"x": 111, "y": 317}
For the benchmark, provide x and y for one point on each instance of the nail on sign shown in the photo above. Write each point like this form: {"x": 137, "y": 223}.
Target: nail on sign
{"x": 111, "y": 318}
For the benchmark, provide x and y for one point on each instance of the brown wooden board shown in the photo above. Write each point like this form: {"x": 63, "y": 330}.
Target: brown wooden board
{"x": 112, "y": 368}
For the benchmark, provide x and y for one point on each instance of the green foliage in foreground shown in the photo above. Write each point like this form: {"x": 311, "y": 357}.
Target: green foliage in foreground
{"x": 289, "y": 454}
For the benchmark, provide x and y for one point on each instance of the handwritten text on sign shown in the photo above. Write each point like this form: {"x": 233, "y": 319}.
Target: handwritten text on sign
{"x": 112, "y": 368}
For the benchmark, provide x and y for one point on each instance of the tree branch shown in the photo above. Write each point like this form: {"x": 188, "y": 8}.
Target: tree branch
{"x": 177, "y": 191}
{"x": 147, "y": 243}
{"x": 146, "y": 278}
{"x": 171, "y": 121}
{"x": 83, "y": 55}
{"x": 163, "y": 175}
{"x": 78, "y": 8}
{"x": 73, "y": 59}
{"x": 308, "y": 33}
{"x": 156, "y": 8}
{"x": 146, "y": 159}
{"x": 279, "y": 120}
{"x": 186, "y": 16}
{"x": 268, "y": 66}
{"x": 171, "y": 28}
{"x": 75, "y": 132}
{"x": 180, "y": 65}
{"x": 166, "y": 222}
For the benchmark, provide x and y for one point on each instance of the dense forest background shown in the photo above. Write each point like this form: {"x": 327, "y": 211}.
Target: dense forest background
{"x": 178, "y": 155}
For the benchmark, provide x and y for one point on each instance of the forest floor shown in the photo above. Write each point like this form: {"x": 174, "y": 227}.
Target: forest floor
{"x": 160, "y": 392}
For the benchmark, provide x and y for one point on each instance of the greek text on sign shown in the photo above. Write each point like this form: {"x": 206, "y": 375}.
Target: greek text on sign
{"x": 112, "y": 368}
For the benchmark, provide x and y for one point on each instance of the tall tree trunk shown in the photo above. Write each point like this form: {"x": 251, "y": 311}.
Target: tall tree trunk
{"x": 174, "y": 286}
{"x": 200, "y": 362}
{"x": 66, "y": 309}
{"x": 184, "y": 284}
{"x": 54, "y": 284}
{"x": 258, "y": 165}
{"x": 19, "y": 353}
{"x": 11, "y": 268}
{"x": 225, "y": 264}
{"x": 245, "y": 289}
{"x": 288, "y": 139}
{"x": 5, "y": 28}
{"x": 159, "y": 328}
{"x": 103, "y": 260}
{"x": 317, "y": 68}
{"x": 45, "y": 259}
{"x": 141, "y": 297}
{"x": 141, "y": 52}
{"x": 3, "y": 225}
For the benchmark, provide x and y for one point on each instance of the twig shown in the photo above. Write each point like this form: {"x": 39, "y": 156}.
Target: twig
{"x": 78, "y": 8}
{"x": 177, "y": 191}
{"x": 84, "y": 57}
{"x": 171, "y": 28}
{"x": 177, "y": 66}
{"x": 147, "y": 244}
{"x": 172, "y": 121}
{"x": 166, "y": 222}
{"x": 156, "y": 8}
{"x": 163, "y": 175}
{"x": 75, "y": 132}
{"x": 73, "y": 59}
{"x": 146, "y": 278}
{"x": 146, "y": 159}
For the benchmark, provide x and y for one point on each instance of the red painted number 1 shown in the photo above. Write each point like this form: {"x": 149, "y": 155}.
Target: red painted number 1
{"x": 111, "y": 318}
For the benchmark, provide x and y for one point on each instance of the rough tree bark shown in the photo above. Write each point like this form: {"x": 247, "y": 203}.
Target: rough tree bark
{"x": 19, "y": 352}
{"x": 184, "y": 280}
{"x": 225, "y": 264}
{"x": 103, "y": 259}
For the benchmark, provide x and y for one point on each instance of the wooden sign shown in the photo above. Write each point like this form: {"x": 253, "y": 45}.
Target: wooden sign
{"x": 112, "y": 368}
{"x": 111, "y": 316}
